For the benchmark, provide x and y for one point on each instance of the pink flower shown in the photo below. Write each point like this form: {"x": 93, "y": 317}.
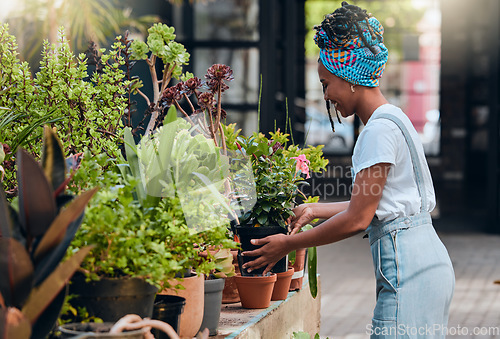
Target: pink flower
{"x": 301, "y": 165}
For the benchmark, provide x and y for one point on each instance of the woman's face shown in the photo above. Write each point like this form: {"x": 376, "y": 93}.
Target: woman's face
{"x": 337, "y": 91}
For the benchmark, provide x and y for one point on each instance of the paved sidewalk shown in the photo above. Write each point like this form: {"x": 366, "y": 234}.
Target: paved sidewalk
{"x": 348, "y": 286}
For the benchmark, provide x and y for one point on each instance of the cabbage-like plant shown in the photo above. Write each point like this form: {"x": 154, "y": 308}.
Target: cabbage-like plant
{"x": 33, "y": 241}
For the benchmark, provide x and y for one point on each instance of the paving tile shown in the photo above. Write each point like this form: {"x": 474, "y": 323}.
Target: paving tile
{"x": 348, "y": 286}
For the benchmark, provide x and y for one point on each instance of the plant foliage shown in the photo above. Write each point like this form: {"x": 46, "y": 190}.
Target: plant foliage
{"x": 34, "y": 239}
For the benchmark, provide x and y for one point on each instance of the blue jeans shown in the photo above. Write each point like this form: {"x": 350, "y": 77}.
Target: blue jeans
{"x": 415, "y": 279}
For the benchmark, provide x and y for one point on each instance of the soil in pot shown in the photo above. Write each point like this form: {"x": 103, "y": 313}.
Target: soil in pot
{"x": 299, "y": 267}
{"x": 168, "y": 308}
{"x": 282, "y": 285}
{"x": 112, "y": 298}
{"x": 255, "y": 291}
{"x": 97, "y": 330}
{"x": 213, "y": 304}
{"x": 193, "y": 291}
{"x": 247, "y": 233}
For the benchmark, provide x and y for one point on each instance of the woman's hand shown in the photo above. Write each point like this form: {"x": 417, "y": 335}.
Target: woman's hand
{"x": 304, "y": 214}
{"x": 274, "y": 247}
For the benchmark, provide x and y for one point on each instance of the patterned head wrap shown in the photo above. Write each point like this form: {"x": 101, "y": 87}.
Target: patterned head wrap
{"x": 357, "y": 59}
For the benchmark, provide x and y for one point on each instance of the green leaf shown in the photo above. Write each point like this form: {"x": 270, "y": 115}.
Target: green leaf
{"x": 291, "y": 256}
{"x": 133, "y": 161}
{"x": 262, "y": 219}
{"x": 312, "y": 261}
{"x": 171, "y": 115}
{"x": 42, "y": 296}
{"x": 301, "y": 335}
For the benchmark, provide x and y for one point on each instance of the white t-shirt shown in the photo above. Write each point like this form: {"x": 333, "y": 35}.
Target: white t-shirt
{"x": 381, "y": 141}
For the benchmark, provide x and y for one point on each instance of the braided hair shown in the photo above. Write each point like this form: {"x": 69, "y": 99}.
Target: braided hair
{"x": 341, "y": 26}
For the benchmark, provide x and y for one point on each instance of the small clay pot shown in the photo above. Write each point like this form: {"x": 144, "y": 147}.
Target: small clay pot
{"x": 255, "y": 291}
{"x": 282, "y": 285}
{"x": 299, "y": 267}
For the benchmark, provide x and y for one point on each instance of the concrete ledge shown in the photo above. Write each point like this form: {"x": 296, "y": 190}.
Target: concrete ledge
{"x": 299, "y": 312}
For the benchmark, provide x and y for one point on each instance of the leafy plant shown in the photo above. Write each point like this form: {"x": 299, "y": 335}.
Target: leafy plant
{"x": 159, "y": 46}
{"x": 305, "y": 335}
{"x": 33, "y": 241}
{"x": 155, "y": 234}
{"x": 277, "y": 173}
{"x": 85, "y": 110}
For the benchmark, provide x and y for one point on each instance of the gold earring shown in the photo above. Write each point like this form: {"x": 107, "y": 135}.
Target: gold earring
{"x": 352, "y": 88}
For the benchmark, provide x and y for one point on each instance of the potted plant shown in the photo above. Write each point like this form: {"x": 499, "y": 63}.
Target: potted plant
{"x": 140, "y": 224}
{"x": 214, "y": 285}
{"x": 33, "y": 240}
{"x": 85, "y": 107}
{"x": 279, "y": 171}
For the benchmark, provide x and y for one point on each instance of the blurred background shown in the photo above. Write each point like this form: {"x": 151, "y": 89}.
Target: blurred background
{"x": 442, "y": 71}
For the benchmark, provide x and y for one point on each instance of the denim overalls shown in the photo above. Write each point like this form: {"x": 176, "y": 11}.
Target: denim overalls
{"x": 415, "y": 278}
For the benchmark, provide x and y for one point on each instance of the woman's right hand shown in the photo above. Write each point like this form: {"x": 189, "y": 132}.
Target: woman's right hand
{"x": 304, "y": 214}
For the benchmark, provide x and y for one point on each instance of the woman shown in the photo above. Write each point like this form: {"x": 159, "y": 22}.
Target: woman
{"x": 392, "y": 188}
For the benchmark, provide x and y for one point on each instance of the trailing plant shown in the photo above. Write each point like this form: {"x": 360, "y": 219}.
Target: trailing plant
{"x": 33, "y": 241}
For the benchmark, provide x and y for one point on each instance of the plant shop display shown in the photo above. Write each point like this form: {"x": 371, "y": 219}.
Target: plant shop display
{"x": 148, "y": 233}
{"x": 33, "y": 241}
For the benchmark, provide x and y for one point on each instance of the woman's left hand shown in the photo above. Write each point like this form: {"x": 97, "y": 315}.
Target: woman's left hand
{"x": 274, "y": 247}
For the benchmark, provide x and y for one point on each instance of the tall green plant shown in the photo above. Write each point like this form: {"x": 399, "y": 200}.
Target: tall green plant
{"x": 86, "y": 111}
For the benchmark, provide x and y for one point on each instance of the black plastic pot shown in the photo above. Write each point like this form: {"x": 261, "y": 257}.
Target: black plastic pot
{"x": 111, "y": 299}
{"x": 168, "y": 308}
{"x": 96, "y": 330}
{"x": 213, "y": 304}
{"x": 247, "y": 233}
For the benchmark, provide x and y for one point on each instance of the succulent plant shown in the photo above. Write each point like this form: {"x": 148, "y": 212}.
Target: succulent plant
{"x": 33, "y": 241}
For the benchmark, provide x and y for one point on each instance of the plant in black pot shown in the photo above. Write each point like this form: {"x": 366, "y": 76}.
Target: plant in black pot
{"x": 279, "y": 170}
{"x": 34, "y": 236}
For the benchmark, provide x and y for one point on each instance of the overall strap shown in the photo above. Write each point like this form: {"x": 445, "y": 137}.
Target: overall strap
{"x": 417, "y": 168}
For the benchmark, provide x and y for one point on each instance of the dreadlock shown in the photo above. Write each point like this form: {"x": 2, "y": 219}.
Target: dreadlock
{"x": 343, "y": 25}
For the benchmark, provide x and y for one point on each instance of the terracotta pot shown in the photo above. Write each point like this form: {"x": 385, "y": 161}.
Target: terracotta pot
{"x": 230, "y": 292}
{"x": 194, "y": 293}
{"x": 255, "y": 291}
{"x": 282, "y": 285}
{"x": 299, "y": 265}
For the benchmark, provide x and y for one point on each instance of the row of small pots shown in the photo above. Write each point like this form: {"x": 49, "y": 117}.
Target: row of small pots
{"x": 258, "y": 291}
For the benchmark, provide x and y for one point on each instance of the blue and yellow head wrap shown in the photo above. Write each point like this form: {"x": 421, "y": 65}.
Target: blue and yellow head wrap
{"x": 357, "y": 59}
